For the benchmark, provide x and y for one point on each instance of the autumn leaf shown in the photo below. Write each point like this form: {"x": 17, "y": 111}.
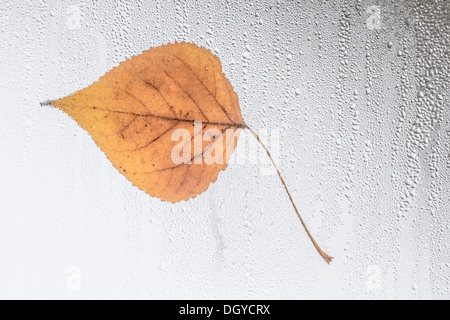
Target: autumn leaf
{"x": 167, "y": 101}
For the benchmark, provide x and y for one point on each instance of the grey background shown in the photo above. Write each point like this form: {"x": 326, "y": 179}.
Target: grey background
{"x": 357, "y": 94}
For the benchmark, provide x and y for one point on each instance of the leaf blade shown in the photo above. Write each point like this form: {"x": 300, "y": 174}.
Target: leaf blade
{"x": 133, "y": 109}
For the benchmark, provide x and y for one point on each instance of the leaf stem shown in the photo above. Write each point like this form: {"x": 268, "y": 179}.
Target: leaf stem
{"x": 326, "y": 257}
{"x": 46, "y": 103}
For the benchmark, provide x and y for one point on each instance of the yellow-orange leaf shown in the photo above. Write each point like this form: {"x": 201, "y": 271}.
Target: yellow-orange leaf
{"x": 132, "y": 111}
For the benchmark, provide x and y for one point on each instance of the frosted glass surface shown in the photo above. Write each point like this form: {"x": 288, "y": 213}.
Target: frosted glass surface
{"x": 352, "y": 96}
